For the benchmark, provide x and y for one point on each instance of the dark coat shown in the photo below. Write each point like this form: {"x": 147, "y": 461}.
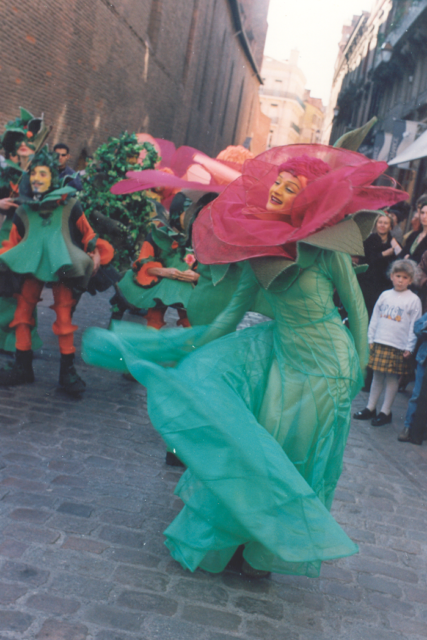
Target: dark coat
{"x": 375, "y": 280}
{"x": 416, "y": 256}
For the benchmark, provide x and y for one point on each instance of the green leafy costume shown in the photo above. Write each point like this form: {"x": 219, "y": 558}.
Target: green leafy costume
{"x": 169, "y": 249}
{"x": 260, "y": 416}
{"x": 122, "y": 220}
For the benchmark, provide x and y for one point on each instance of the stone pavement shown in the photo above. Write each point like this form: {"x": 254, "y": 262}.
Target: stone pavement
{"x": 85, "y": 495}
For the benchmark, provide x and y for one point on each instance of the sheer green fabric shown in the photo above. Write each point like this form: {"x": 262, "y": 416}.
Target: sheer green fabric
{"x": 260, "y": 416}
{"x": 215, "y": 289}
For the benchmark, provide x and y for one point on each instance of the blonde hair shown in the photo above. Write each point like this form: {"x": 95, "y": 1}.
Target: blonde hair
{"x": 405, "y": 266}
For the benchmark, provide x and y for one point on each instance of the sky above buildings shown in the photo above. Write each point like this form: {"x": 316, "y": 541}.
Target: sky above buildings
{"x": 314, "y": 28}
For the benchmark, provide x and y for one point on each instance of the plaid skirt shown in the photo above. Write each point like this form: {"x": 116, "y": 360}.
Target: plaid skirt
{"x": 389, "y": 360}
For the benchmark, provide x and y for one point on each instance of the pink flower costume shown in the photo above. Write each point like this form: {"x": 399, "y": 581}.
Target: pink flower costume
{"x": 261, "y": 416}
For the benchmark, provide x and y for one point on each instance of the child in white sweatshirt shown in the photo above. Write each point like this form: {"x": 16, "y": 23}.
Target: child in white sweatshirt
{"x": 391, "y": 340}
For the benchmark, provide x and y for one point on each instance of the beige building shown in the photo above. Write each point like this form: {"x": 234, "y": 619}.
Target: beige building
{"x": 295, "y": 116}
{"x": 312, "y": 119}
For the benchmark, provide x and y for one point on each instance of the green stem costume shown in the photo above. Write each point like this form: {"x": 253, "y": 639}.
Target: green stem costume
{"x": 260, "y": 416}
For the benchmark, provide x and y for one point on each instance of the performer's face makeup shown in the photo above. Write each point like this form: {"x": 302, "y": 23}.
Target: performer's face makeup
{"x": 283, "y": 192}
{"x": 40, "y": 179}
{"x": 24, "y": 150}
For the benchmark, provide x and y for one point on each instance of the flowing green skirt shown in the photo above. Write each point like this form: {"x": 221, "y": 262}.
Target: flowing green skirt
{"x": 226, "y": 409}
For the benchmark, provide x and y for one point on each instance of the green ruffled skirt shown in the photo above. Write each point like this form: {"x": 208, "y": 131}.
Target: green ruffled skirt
{"x": 167, "y": 292}
{"x": 226, "y": 409}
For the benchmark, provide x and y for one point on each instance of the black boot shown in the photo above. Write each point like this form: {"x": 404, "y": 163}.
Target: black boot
{"x": 69, "y": 379}
{"x": 21, "y": 372}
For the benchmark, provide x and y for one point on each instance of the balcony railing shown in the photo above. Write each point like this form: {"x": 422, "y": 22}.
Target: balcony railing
{"x": 278, "y": 93}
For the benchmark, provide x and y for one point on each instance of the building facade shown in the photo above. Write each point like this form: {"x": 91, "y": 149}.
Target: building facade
{"x": 312, "y": 120}
{"x": 184, "y": 70}
{"x": 295, "y": 117}
{"x": 381, "y": 71}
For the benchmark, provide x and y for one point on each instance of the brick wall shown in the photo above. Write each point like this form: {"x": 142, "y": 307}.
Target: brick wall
{"x": 173, "y": 68}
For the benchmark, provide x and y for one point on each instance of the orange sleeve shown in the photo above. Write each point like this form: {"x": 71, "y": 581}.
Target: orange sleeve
{"x": 105, "y": 249}
{"x": 143, "y": 278}
{"x": 12, "y": 241}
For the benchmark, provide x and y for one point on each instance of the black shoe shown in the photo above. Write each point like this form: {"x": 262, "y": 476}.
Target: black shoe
{"x": 69, "y": 379}
{"x": 250, "y": 572}
{"x": 404, "y": 435}
{"x": 21, "y": 372}
{"x": 172, "y": 460}
{"x": 381, "y": 419}
{"x": 365, "y": 414}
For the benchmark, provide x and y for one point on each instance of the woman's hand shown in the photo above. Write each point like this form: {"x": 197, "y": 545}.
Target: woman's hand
{"x": 7, "y": 203}
{"x": 174, "y": 274}
{"x": 406, "y": 354}
{"x": 189, "y": 276}
{"x": 95, "y": 255}
{"x": 387, "y": 252}
{"x": 396, "y": 246}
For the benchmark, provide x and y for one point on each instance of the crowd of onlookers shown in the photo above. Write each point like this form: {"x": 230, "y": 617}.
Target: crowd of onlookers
{"x": 394, "y": 287}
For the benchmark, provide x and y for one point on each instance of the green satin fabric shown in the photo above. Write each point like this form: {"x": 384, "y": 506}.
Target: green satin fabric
{"x": 166, "y": 291}
{"x": 5, "y": 229}
{"x": 42, "y": 252}
{"x": 7, "y": 335}
{"x": 260, "y": 417}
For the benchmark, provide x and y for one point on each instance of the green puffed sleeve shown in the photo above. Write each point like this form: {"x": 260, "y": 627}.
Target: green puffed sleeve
{"x": 342, "y": 274}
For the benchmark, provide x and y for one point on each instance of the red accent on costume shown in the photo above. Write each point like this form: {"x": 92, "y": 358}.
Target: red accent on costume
{"x": 23, "y": 319}
{"x": 63, "y": 306}
{"x": 143, "y": 278}
{"x": 183, "y": 320}
{"x": 105, "y": 249}
{"x": 12, "y": 241}
{"x": 154, "y": 318}
{"x": 231, "y": 228}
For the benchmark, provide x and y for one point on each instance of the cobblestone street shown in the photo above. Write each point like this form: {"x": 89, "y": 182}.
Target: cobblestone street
{"x": 85, "y": 495}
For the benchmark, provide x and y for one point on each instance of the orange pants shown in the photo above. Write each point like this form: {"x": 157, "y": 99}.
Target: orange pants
{"x": 155, "y": 319}
{"x": 63, "y": 306}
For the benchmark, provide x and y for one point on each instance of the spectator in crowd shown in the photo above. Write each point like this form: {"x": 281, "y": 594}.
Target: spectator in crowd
{"x": 63, "y": 152}
{"x": 420, "y": 330}
{"x": 418, "y": 431}
{"x": 397, "y": 217}
{"x": 415, "y": 220}
{"x": 416, "y": 243}
{"x": 421, "y": 281}
{"x": 391, "y": 340}
{"x": 380, "y": 251}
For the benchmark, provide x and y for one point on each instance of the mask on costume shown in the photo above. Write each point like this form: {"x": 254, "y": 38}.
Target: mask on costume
{"x": 44, "y": 173}
{"x": 25, "y": 129}
{"x": 40, "y": 179}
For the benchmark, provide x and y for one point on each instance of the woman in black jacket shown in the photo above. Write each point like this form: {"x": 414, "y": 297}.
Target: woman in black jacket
{"x": 416, "y": 243}
{"x": 380, "y": 250}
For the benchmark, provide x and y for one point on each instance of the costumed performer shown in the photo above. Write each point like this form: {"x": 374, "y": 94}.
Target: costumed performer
{"x": 20, "y": 140}
{"x": 50, "y": 241}
{"x": 164, "y": 273}
{"x": 260, "y": 417}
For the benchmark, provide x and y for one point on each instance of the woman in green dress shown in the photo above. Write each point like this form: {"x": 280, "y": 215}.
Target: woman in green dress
{"x": 260, "y": 416}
